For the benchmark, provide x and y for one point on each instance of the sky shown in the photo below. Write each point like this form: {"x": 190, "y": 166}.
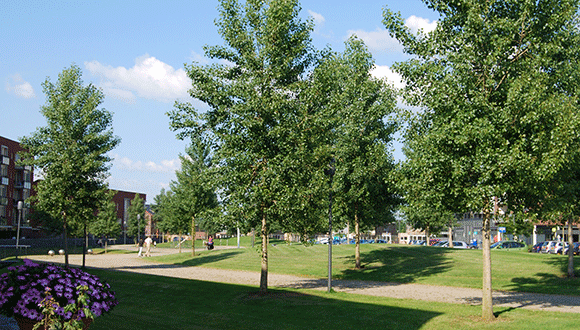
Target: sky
{"x": 135, "y": 51}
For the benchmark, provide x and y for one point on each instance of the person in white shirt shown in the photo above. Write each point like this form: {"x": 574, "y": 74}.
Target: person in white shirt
{"x": 148, "y": 242}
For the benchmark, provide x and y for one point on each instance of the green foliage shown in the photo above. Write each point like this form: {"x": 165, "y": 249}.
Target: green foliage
{"x": 255, "y": 124}
{"x": 194, "y": 193}
{"x": 355, "y": 114}
{"x": 136, "y": 217}
{"x": 494, "y": 80}
{"x": 106, "y": 224}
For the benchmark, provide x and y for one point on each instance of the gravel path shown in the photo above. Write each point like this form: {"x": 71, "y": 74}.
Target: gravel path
{"x": 131, "y": 263}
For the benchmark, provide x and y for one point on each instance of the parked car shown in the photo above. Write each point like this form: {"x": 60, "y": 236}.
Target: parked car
{"x": 440, "y": 243}
{"x": 457, "y": 245}
{"x": 537, "y": 247}
{"x": 576, "y": 248}
{"x": 512, "y": 245}
{"x": 548, "y": 246}
{"x": 559, "y": 248}
{"x": 323, "y": 240}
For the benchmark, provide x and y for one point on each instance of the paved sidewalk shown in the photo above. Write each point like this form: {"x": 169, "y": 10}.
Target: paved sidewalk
{"x": 132, "y": 263}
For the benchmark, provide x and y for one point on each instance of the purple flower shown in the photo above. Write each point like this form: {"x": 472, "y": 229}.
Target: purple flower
{"x": 23, "y": 288}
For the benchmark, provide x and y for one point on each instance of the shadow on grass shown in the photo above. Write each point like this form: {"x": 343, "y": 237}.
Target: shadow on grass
{"x": 401, "y": 264}
{"x": 173, "y": 303}
{"x": 201, "y": 259}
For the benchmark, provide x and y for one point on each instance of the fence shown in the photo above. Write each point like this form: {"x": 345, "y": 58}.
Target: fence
{"x": 40, "y": 246}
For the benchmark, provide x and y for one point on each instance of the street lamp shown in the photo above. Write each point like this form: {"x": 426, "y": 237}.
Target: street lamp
{"x": 20, "y": 206}
{"x": 330, "y": 172}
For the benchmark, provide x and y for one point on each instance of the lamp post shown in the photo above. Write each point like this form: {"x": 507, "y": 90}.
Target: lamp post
{"x": 20, "y": 206}
{"x": 330, "y": 172}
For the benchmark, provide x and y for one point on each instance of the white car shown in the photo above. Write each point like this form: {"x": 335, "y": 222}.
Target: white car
{"x": 457, "y": 245}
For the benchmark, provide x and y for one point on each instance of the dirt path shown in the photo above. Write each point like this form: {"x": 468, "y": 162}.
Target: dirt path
{"x": 131, "y": 263}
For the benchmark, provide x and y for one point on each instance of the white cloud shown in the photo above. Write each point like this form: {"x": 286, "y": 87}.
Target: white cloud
{"x": 149, "y": 78}
{"x": 318, "y": 18}
{"x": 378, "y": 40}
{"x": 17, "y": 86}
{"x": 384, "y": 72}
{"x": 199, "y": 58}
{"x": 165, "y": 166}
{"x": 416, "y": 23}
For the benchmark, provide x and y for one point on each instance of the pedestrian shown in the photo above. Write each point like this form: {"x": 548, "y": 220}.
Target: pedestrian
{"x": 140, "y": 254}
{"x": 148, "y": 241}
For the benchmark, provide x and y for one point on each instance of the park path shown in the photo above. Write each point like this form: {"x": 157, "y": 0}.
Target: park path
{"x": 131, "y": 263}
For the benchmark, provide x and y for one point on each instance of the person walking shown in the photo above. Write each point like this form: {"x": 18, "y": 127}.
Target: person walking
{"x": 148, "y": 242}
{"x": 140, "y": 254}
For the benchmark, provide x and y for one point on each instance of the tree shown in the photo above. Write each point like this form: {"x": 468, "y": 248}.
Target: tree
{"x": 194, "y": 193}
{"x": 164, "y": 211}
{"x": 71, "y": 151}
{"x": 136, "y": 217}
{"x": 493, "y": 79}
{"x": 106, "y": 224}
{"x": 358, "y": 109}
{"x": 255, "y": 120}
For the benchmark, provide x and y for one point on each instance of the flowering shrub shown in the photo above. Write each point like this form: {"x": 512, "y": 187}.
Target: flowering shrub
{"x": 25, "y": 289}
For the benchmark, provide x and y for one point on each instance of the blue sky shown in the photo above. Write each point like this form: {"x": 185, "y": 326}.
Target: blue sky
{"x": 135, "y": 52}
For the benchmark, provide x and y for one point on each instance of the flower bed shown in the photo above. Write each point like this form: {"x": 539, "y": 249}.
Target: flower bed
{"x": 50, "y": 293}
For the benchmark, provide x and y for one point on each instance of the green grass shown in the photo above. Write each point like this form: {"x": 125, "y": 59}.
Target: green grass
{"x": 156, "y": 302}
{"x": 511, "y": 270}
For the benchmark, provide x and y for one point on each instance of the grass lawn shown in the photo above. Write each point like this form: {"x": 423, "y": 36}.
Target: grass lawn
{"x": 511, "y": 270}
{"x": 154, "y": 302}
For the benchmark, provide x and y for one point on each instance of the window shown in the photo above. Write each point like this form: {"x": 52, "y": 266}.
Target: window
{"x": 27, "y": 176}
{"x": 3, "y": 170}
{"x": 2, "y": 211}
{"x": 3, "y": 191}
{"x": 5, "y": 151}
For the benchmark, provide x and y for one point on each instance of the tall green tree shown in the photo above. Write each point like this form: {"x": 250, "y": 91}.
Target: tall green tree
{"x": 106, "y": 225}
{"x": 358, "y": 111}
{"x": 165, "y": 214}
{"x": 70, "y": 152}
{"x": 195, "y": 195}
{"x": 136, "y": 217}
{"x": 492, "y": 79}
{"x": 254, "y": 118}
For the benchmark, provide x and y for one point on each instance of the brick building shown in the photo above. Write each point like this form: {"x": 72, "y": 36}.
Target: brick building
{"x": 122, "y": 200}
{"x": 15, "y": 186}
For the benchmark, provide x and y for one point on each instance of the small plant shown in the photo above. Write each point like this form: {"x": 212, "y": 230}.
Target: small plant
{"x": 53, "y": 295}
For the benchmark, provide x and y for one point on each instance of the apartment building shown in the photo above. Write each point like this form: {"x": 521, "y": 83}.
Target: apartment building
{"x": 15, "y": 186}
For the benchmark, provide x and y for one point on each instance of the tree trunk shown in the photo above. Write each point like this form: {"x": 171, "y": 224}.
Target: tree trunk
{"x": 179, "y": 242}
{"x": 427, "y": 239}
{"x": 357, "y": 242}
{"x": 486, "y": 302}
{"x": 65, "y": 240}
{"x": 264, "y": 273}
{"x": 85, "y": 243}
{"x": 450, "y": 235}
{"x": 192, "y": 236}
{"x": 570, "y": 250}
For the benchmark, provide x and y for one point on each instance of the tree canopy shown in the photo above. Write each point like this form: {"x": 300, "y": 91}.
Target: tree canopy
{"x": 70, "y": 152}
